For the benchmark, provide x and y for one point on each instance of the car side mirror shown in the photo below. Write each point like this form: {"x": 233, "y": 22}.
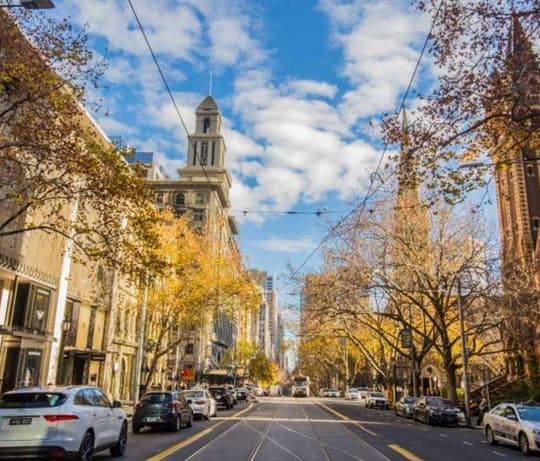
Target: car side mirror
{"x": 512, "y": 417}
{"x": 189, "y": 402}
{"x": 116, "y": 404}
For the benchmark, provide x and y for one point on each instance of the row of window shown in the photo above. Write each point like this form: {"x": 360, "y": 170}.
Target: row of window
{"x": 179, "y": 198}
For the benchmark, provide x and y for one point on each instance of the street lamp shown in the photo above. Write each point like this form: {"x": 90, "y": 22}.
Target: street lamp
{"x": 32, "y": 5}
{"x": 66, "y": 327}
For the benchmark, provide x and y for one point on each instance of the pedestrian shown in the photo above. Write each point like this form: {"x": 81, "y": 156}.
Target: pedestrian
{"x": 482, "y": 408}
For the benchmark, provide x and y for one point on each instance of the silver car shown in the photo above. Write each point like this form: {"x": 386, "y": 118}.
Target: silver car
{"x": 517, "y": 425}
{"x": 404, "y": 407}
{"x": 60, "y": 422}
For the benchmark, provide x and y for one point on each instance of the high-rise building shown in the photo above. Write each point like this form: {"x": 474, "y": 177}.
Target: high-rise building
{"x": 268, "y": 316}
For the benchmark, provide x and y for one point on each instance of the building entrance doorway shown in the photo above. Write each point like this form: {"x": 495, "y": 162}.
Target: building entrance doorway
{"x": 79, "y": 367}
{"x": 9, "y": 379}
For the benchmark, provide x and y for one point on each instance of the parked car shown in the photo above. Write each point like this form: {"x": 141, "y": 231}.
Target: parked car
{"x": 232, "y": 390}
{"x": 404, "y": 407}
{"x": 352, "y": 394}
{"x": 162, "y": 409}
{"x": 377, "y": 400}
{"x": 222, "y": 395}
{"x": 363, "y": 394}
{"x": 243, "y": 394}
{"x": 517, "y": 425}
{"x": 435, "y": 410}
{"x": 60, "y": 422}
{"x": 331, "y": 393}
{"x": 202, "y": 403}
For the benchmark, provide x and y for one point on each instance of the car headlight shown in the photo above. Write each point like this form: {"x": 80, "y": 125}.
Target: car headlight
{"x": 536, "y": 431}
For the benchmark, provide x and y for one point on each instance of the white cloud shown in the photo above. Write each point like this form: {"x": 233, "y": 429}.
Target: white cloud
{"x": 280, "y": 245}
{"x": 379, "y": 40}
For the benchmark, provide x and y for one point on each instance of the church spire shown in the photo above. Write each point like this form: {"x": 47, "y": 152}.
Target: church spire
{"x": 407, "y": 174}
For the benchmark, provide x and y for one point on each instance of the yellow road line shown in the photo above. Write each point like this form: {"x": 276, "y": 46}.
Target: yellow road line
{"x": 405, "y": 453}
{"x": 346, "y": 418}
{"x": 199, "y": 435}
{"x": 184, "y": 443}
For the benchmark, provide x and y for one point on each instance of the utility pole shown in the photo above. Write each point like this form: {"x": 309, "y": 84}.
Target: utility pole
{"x": 140, "y": 343}
{"x": 413, "y": 358}
{"x": 464, "y": 356}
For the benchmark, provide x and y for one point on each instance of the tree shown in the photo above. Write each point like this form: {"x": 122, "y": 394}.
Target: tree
{"x": 195, "y": 286}
{"x": 262, "y": 370}
{"x": 485, "y": 98}
{"x": 380, "y": 280}
{"x": 58, "y": 172}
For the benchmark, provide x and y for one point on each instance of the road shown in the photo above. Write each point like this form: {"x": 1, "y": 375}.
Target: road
{"x": 286, "y": 429}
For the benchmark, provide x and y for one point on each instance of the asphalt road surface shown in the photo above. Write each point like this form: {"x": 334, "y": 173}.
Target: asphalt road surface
{"x": 286, "y": 429}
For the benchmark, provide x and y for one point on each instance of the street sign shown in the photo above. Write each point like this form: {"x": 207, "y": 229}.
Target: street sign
{"x": 406, "y": 338}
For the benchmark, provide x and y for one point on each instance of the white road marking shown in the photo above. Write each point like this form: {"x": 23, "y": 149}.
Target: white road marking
{"x": 467, "y": 443}
{"x": 443, "y": 435}
{"x": 498, "y": 454}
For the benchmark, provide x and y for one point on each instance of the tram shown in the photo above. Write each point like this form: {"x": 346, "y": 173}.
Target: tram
{"x": 300, "y": 386}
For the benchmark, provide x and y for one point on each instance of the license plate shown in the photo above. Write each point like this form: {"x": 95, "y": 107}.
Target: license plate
{"x": 152, "y": 419}
{"x": 20, "y": 421}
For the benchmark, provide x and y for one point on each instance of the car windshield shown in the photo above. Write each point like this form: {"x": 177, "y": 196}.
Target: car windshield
{"x": 32, "y": 400}
{"x": 409, "y": 399}
{"x": 440, "y": 403}
{"x": 377, "y": 394}
{"x": 217, "y": 390}
{"x": 157, "y": 397}
{"x": 529, "y": 413}
{"x": 193, "y": 395}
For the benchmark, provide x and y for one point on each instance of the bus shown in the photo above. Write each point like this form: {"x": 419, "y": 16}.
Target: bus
{"x": 300, "y": 386}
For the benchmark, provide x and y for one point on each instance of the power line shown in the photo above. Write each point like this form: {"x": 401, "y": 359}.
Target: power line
{"x": 370, "y": 192}
{"x": 168, "y": 89}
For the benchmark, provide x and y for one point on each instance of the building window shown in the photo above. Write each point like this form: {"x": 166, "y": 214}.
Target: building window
{"x": 200, "y": 198}
{"x": 180, "y": 199}
{"x": 530, "y": 170}
{"x": 204, "y": 153}
{"x": 213, "y": 153}
{"x": 189, "y": 349}
{"x": 536, "y": 222}
{"x": 159, "y": 198}
{"x": 206, "y": 125}
{"x": 198, "y": 215}
{"x": 31, "y": 308}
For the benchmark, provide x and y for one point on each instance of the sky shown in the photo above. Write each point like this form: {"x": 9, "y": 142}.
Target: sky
{"x": 301, "y": 85}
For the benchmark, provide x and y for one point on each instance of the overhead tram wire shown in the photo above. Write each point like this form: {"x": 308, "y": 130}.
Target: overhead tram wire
{"x": 370, "y": 192}
{"x": 168, "y": 89}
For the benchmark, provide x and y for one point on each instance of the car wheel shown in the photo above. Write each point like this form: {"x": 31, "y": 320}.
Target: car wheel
{"x": 190, "y": 420}
{"x": 396, "y": 412}
{"x": 177, "y": 425}
{"x": 136, "y": 429}
{"x": 524, "y": 444}
{"x": 120, "y": 448}
{"x": 490, "y": 436}
{"x": 86, "y": 449}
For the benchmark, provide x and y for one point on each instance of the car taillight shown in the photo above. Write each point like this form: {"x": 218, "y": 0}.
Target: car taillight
{"x": 60, "y": 418}
{"x": 139, "y": 405}
{"x": 171, "y": 405}
{"x": 200, "y": 402}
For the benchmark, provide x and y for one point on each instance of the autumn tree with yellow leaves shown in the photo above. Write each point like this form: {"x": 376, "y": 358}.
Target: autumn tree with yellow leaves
{"x": 197, "y": 283}
{"x": 58, "y": 172}
{"x": 378, "y": 282}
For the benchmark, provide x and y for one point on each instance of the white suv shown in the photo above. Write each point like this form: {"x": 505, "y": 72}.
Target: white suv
{"x": 60, "y": 422}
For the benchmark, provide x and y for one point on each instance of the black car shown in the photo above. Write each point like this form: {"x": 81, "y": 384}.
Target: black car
{"x": 162, "y": 409}
{"x": 223, "y": 396}
{"x": 243, "y": 394}
{"x": 435, "y": 410}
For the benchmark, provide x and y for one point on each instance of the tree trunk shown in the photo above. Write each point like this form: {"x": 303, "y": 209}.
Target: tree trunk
{"x": 451, "y": 382}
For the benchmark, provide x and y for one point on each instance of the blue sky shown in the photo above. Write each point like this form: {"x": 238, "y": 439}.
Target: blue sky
{"x": 301, "y": 85}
